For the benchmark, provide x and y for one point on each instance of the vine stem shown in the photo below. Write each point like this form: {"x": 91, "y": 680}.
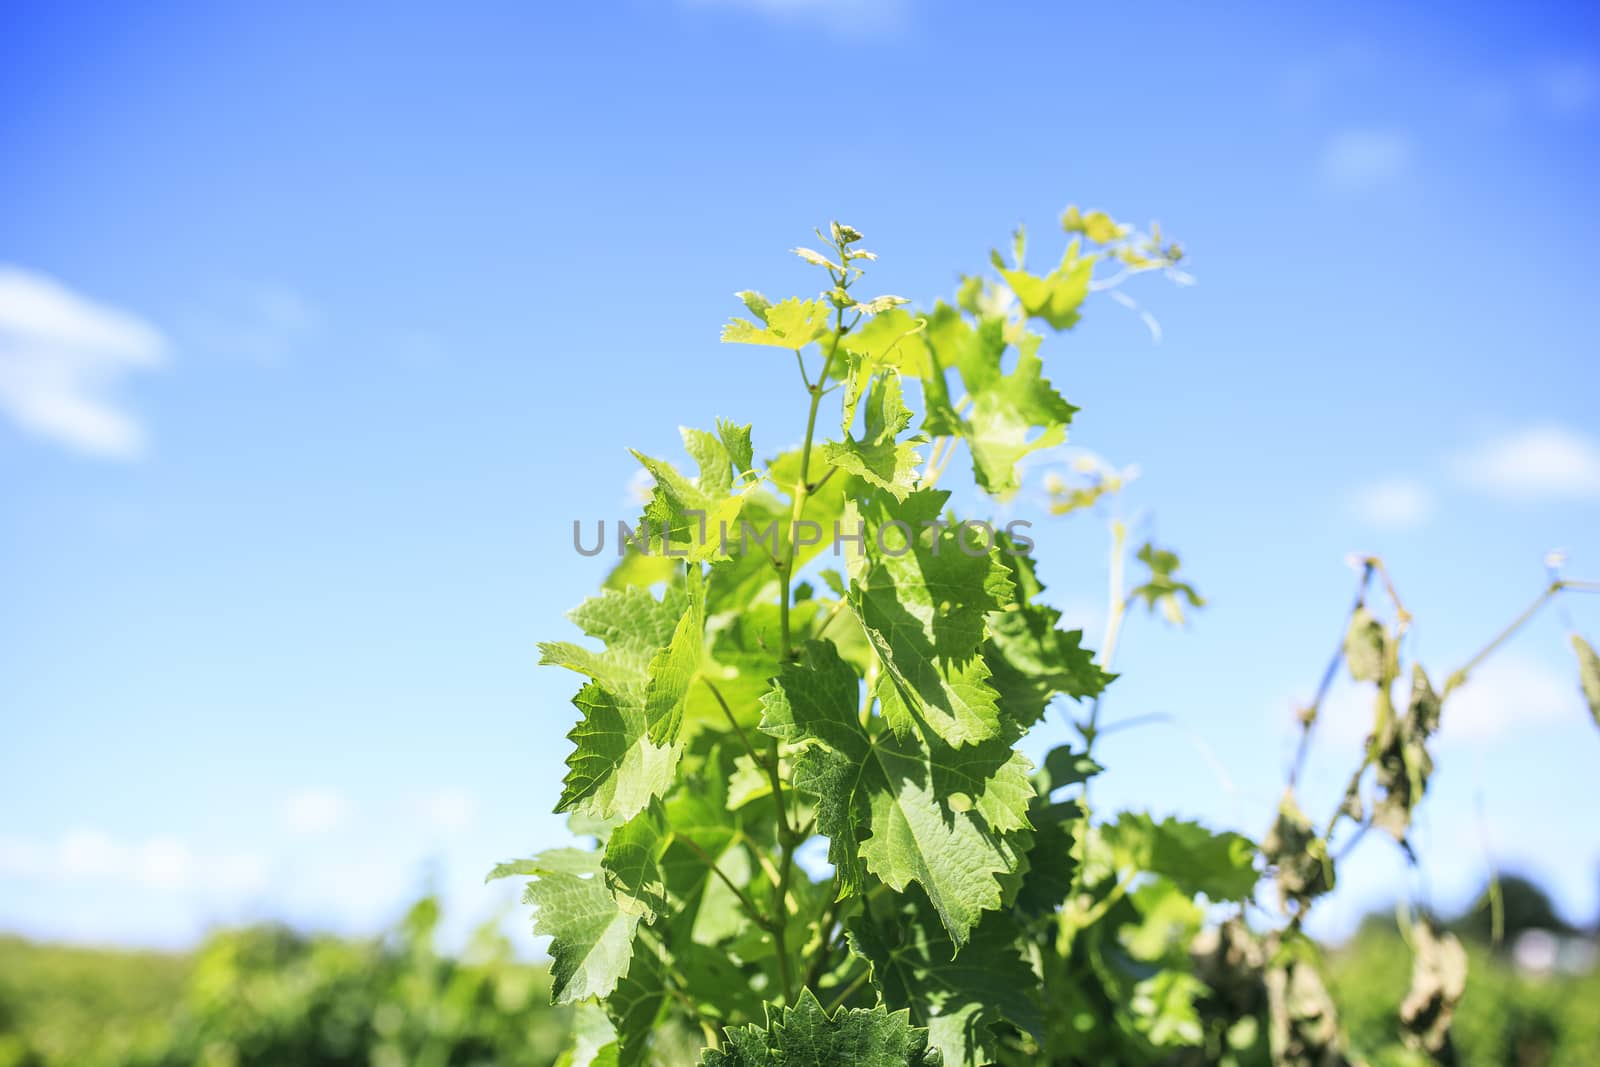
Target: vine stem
{"x": 1460, "y": 676}
{"x": 1308, "y": 714}
{"x": 744, "y": 899}
{"x": 1118, "y": 608}
{"x": 826, "y": 941}
{"x": 802, "y": 488}
{"x": 732, "y": 721}
{"x": 788, "y": 837}
{"x": 939, "y": 459}
{"x": 845, "y": 994}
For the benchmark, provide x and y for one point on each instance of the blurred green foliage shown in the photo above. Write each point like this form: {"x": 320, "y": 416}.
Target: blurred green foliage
{"x": 1507, "y": 1018}
{"x": 268, "y": 996}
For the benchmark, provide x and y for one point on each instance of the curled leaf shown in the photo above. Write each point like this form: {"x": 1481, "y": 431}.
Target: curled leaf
{"x": 1588, "y": 674}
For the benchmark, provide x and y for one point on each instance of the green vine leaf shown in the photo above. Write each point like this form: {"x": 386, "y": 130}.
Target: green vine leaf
{"x": 806, "y": 1036}
{"x": 1195, "y": 859}
{"x": 1050, "y": 865}
{"x": 958, "y": 995}
{"x": 632, "y": 864}
{"x": 791, "y": 323}
{"x": 594, "y": 1041}
{"x": 697, "y": 519}
{"x": 625, "y": 746}
{"x": 1030, "y": 658}
{"x": 592, "y": 939}
{"x": 1164, "y": 590}
{"x": 1057, "y": 296}
{"x": 636, "y": 1005}
{"x": 878, "y": 456}
{"x": 1097, "y": 226}
{"x": 1012, "y": 415}
{"x": 891, "y": 339}
{"x": 904, "y": 809}
{"x": 705, "y": 825}
{"x": 922, "y": 591}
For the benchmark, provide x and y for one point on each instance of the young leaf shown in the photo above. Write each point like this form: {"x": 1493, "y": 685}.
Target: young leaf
{"x": 890, "y": 339}
{"x": 1012, "y": 414}
{"x": 1057, "y": 296}
{"x": 1164, "y": 590}
{"x": 591, "y": 943}
{"x": 736, "y": 442}
{"x": 1007, "y": 409}
{"x": 805, "y": 1036}
{"x": 791, "y": 323}
{"x": 878, "y": 456}
{"x": 1097, "y": 226}
{"x": 817, "y": 259}
{"x": 693, "y": 518}
{"x": 879, "y": 304}
{"x": 625, "y": 751}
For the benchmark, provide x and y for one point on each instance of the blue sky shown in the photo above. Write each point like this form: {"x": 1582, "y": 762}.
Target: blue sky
{"x": 318, "y": 327}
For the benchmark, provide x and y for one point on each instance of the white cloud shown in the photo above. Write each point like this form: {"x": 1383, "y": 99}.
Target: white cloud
{"x": 639, "y": 489}
{"x": 1392, "y": 504}
{"x": 1543, "y": 461}
{"x": 316, "y": 811}
{"x": 1505, "y": 695}
{"x": 61, "y": 359}
{"x": 1357, "y": 160}
{"x": 1087, "y": 614}
{"x": 162, "y": 862}
{"x": 449, "y": 810}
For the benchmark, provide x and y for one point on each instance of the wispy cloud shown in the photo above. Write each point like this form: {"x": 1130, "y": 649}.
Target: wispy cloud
{"x": 62, "y": 357}
{"x": 1541, "y": 461}
{"x": 1359, "y": 160}
{"x": 161, "y": 862}
{"x": 1507, "y": 694}
{"x": 1392, "y": 504}
{"x": 316, "y": 811}
{"x": 262, "y": 323}
{"x": 449, "y": 810}
{"x": 840, "y": 16}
